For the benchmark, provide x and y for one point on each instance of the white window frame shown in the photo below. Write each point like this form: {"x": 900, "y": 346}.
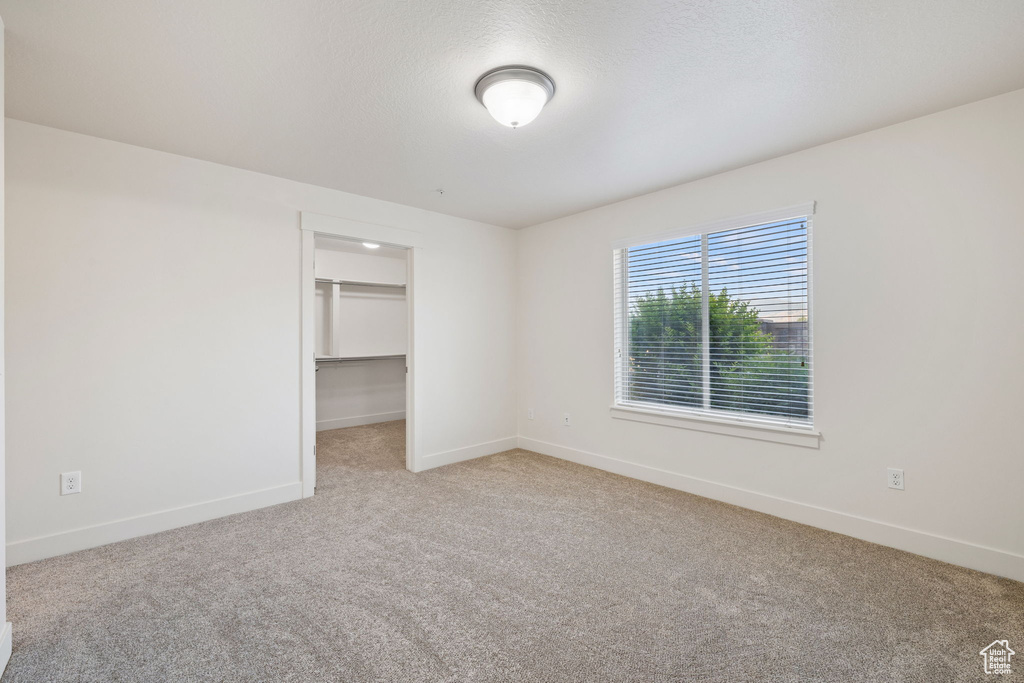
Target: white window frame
{"x": 718, "y": 422}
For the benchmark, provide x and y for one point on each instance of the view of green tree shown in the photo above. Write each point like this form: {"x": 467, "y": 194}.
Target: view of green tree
{"x": 748, "y": 373}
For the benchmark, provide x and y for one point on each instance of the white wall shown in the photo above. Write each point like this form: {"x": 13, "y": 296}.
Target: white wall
{"x": 337, "y": 264}
{"x": 918, "y": 253}
{"x": 359, "y": 393}
{"x": 153, "y": 336}
{"x": 372, "y": 321}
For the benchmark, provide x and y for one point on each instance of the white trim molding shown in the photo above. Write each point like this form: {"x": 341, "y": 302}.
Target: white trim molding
{"x": 307, "y": 367}
{"x": 358, "y": 420}
{"x": 5, "y": 647}
{"x": 706, "y": 418}
{"x": 468, "y": 453}
{"x": 41, "y": 547}
{"x": 346, "y": 227}
{"x": 313, "y": 224}
{"x": 962, "y": 553}
{"x": 730, "y": 427}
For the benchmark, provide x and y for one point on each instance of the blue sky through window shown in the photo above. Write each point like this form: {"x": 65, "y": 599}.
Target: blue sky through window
{"x": 764, "y": 265}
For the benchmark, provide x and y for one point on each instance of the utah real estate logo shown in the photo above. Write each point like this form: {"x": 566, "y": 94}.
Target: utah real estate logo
{"x": 997, "y": 657}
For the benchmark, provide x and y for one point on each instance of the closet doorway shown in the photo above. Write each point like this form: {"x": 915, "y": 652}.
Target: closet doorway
{"x": 357, "y": 305}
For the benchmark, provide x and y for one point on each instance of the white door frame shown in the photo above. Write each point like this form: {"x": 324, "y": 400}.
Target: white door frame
{"x": 313, "y": 224}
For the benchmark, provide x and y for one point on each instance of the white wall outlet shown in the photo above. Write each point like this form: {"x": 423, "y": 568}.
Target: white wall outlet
{"x": 565, "y": 420}
{"x": 895, "y": 479}
{"x": 70, "y": 482}
{"x": 529, "y": 413}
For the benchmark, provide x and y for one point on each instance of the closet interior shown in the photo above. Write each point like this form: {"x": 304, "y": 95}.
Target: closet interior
{"x": 362, "y": 331}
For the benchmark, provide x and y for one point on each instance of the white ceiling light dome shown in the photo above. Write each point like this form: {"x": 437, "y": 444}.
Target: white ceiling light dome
{"x": 514, "y": 95}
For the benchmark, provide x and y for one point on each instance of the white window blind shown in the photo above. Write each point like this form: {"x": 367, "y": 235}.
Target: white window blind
{"x": 718, "y": 324}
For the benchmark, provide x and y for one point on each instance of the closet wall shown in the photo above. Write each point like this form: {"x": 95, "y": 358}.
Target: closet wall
{"x": 354, "y": 321}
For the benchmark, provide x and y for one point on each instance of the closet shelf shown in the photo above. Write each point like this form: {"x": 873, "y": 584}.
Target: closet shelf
{"x": 343, "y": 359}
{"x": 360, "y": 283}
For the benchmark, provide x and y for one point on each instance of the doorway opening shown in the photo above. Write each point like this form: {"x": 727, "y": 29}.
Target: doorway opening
{"x": 357, "y": 340}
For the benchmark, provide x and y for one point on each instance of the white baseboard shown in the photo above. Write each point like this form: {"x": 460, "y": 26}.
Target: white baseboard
{"x": 950, "y": 550}
{"x": 342, "y": 422}
{"x": 468, "y": 453}
{"x": 5, "y": 647}
{"x": 29, "y": 550}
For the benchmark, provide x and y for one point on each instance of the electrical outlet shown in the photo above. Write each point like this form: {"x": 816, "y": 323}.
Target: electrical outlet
{"x": 895, "y": 479}
{"x": 529, "y": 413}
{"x": 565, "y": 420}
{"x": 70, "y": 482}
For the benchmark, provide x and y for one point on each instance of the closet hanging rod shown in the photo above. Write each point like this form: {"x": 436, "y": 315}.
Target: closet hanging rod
{"x": 358, "y": 283}
{"x": 345, "y": 359}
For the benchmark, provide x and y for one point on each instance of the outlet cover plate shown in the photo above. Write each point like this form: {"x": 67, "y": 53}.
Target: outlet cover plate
{"x": 70, "y": 482}
{"x": 895, "y": 479}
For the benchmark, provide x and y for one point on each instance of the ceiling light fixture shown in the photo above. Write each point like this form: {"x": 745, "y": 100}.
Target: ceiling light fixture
{"x": 514, "y": 95}
{"x": 371, "y": 245}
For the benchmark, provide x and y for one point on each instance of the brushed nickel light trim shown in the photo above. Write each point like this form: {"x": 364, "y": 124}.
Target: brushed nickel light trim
{"x": 514, "y": 73}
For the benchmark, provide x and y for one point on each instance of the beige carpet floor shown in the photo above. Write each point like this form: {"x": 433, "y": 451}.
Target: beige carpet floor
{"x": 515, "y": 567}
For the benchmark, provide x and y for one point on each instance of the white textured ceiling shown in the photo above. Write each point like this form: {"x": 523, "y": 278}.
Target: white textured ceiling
{"x": 376, "y": 97}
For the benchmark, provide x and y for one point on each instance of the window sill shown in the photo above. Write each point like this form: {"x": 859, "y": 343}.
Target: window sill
{"x": 807, "y": 438}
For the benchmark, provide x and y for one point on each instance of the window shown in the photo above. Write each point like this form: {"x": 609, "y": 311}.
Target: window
{"x": 717, "y": 324}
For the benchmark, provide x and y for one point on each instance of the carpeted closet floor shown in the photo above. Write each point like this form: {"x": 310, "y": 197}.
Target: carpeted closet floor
{"x": 514, "y": 567}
